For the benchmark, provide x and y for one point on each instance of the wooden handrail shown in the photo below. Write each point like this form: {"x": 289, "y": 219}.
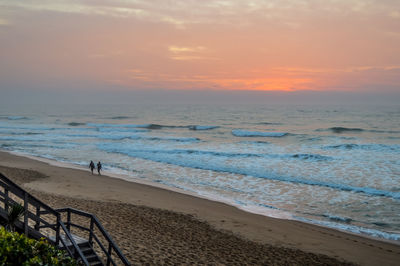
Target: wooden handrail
{"x": 36, "y": 201}
{"x": 95, "y": 221}
{"x": 10, "y": 186}
{"x": 71, "y": 239}
{"x": 59, "y": 225}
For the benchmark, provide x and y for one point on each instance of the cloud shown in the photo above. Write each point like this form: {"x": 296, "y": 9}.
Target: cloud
{"x": 180, "y": 24}
{"x": 77, "y": 7}
{"x": 188, "y": 53}
{"x": 181, "y": 13}
{"x": 178, "y": 49}
{"x": 372, "y": 68}
{"x": 4, "y": 22}
{"x": 394, "y": 14}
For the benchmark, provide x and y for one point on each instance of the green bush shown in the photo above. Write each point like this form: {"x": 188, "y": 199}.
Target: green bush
{"x": 17, "y": 249}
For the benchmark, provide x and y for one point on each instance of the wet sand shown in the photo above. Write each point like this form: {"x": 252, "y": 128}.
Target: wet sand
{"x": 157, "y": 226}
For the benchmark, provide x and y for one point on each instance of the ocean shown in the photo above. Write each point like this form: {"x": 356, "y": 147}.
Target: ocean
{"x": 335, "y": 166}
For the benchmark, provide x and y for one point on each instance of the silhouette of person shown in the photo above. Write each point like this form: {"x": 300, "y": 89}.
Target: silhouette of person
{"x": 99, "y": 167}
{"x": 91, "y": 166}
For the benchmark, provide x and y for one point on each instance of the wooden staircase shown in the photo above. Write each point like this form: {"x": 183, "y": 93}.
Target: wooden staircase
{"x": 90, "y": 254}
{"x": 84, "y": 238}
{"x": 85, "y": 247}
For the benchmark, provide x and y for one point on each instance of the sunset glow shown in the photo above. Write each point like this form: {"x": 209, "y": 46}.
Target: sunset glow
{"x": 346, "y": 45}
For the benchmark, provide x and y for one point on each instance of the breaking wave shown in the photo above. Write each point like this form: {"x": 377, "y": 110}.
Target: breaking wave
{"x": 147, "y": 126}
{"x": 339, "y": 130}
{"x": 352, "y": 228}
{"x": 197, "y": 127}
{"x": 151, "y": 126}
{"x": 385, "y": 131}
{"x": 166, "y": 139}
{"x": 26, "y": 133}
{"x": 149, "y": 138}
{"x": 17, "y": 118}
{"x": 269, "y": 123}
{"x": 368, "y": 147}
{"x": 75, "y": 124}
{"x": 315, "y": 157}
{"x": 254, "y": 142}
{"x": 119, "y": 117}
{"x": 245, "y": 133}
{"x": 337, "y": 218}
{"x": 114, "y": 129}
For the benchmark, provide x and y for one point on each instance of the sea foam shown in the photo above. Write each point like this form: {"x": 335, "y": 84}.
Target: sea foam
{"x": 246, "y": 133}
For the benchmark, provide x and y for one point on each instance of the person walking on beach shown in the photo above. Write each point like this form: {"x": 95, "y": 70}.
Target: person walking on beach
{"x": 91, "y": 166}
{"x": 99, "y": 167}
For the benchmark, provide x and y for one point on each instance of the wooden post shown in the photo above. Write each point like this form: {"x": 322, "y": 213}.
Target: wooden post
{"x": 26, "y": 197}
{"x": 69, "y": 220}
{"x": 6, "y": 197}
{"x": 109, "y": 254}
{"x": 37, "y": 225}
{"x": 91, "y": 232}
{"x": 58, "y": 230}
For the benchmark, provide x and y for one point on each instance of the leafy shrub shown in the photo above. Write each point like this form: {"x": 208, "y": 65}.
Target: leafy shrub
{"x": 17, "y": 249}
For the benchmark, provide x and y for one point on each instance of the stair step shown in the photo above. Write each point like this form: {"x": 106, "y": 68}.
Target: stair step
{"x": 92, "y": 257}
{"x": 87, "y": 251}
{"x": 78, "y": 240}
{"x": 84, "y": 244}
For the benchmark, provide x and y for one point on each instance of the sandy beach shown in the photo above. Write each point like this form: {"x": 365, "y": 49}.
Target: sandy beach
{"x": 159, "y": 226}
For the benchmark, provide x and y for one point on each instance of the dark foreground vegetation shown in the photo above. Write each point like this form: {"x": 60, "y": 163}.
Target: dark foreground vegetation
{"x": 17, "y": 249}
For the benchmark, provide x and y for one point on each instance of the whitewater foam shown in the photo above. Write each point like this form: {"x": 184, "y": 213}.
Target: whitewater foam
{"x": 352, "y": 228}
{"x": 368, "y": 147}
{"x": 246, "y": 133}
{"x": 196, "y": 159}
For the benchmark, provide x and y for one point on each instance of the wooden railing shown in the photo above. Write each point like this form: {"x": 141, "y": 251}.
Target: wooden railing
{"x": 40, "y": 220}
{"x": 109, "y": 248}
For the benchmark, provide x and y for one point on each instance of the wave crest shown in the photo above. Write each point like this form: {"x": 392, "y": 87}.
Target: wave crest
{"x": 197, "y": 127}
{"x": 119, "y": 117}
{"x": 339, "y": 130}
{"x": 368, "y": 147}
{"x": 75, "y": 124}
{"x": 246, "y": 133}
{"x": 314, "y": 157}
{"x": 337, "y": 218}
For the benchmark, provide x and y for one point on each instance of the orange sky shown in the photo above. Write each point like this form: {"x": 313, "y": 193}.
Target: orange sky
{"x": 285, "y": 45}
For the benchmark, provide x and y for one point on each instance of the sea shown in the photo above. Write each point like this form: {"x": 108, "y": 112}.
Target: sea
{"x": 332, "y": 165}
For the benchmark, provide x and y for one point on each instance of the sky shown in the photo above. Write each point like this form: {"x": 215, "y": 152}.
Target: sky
{"x": 186, "y": 48}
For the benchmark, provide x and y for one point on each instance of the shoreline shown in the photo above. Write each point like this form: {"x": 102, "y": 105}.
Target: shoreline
{"x": 279, "y": 214}
{"x": 272, "y": 213}
{"x": 78, "y": 183}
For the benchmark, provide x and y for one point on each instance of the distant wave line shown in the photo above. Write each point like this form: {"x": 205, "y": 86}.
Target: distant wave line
{"x": 340, "y": 130}
{"x": 247, "y": 133}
